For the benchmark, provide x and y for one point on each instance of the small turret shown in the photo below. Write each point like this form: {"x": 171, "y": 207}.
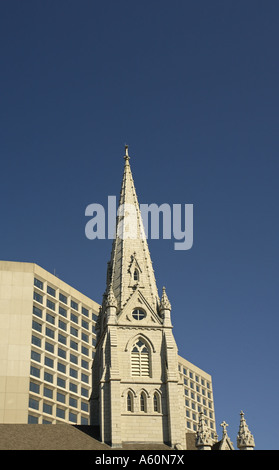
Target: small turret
{"x": 165, "y": 308}
{"x": 203, "y": 438}
{"x": 245, "y": 439}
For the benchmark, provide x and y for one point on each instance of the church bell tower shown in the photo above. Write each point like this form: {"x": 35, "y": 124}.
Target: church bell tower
{"x": 137, "y": 395}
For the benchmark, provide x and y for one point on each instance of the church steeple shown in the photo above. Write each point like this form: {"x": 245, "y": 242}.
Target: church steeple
{"x": 130, "y": 267}
{"x": 136, "y": 385}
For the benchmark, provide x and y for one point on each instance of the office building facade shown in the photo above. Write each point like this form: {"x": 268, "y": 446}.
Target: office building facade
{"x": 47, "y": 344}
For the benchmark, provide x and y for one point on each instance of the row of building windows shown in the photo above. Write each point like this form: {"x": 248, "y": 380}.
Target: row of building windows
{"x": 197, "y": 388}
{"x": 63, "y": 339}
{"x": 60, "y": 414}
{"x": 130, "y": 404}
{"x": 199, "y": 409}
{"x": 197, "y": 398}
{"x": 59, "y": 395}
{"x": 62, "y": 382}
{"x": 55, "y": 410}
{"x": 62, "y": 297}
{"x": 194, "y": 376}
{"x": 57, "y": 308}
{"x": 58, "y": 351}
{"x": 61, "y": 367}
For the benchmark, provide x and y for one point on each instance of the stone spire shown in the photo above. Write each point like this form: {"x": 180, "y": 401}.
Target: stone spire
{"x": 203, "y": 437}
{"x": 165, "y": 308}
{"x": 245, "y": 440}
{"x": 165, "y": 303}
{"x": 130, "y": 265}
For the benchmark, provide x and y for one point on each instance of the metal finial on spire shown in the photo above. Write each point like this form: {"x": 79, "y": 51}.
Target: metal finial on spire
{"x": 126, "y": 156}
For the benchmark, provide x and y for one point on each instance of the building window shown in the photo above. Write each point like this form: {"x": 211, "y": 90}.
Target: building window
{"x": 49, "y": 347}
{"x": 84, "y": 392}
{"x": 136, "y": 275}
{"x": 35, "y": 356}
{"x": 85, "y": 337}
{"x": 63, "y": 298}
{"x": 73, "y": 345}
{"x": 72, "y": 417}
{"x": 38, "y": 297}
{"x": 51, "y": 291}
{"x": 62, "y": 311}
{"x": 50, "y": 332}
{"x": 73, "y": 402}
{"x": 48, "y": 377}
{"x": 74, "y": 317}
{"x": 33, "y": 403}
{"x": 61, "y": 397}
{"x": 62, "y": 353}
{"x": 61, "y": 382}
{"x": 33, "y": 419}
{"x": 62, "y": 325}
{"x": 85, "y": 311}
{"x": 34, "y": 387}
{"x": 73, "y": 359}
{"x": 84, "y": 406}
{"x": 62, "y": 338}
{"x": 140, "y": 360}
{"x": 156, "y": 402}
{"x": 74, "y": 305}
{"x": 50, "y": 318}
{"x": 35, "y": 371}
{"x": 37, "y": 311}
{"x": 84, "y": 378}
{"x": 49, "y": 362}
{"x": 60, "y": 413}
{"x": 61, "y": 367}
{"x": 130, "y": 403}
{"x": 36, "y": 341}
{"x": 73, "y": 373}
{"x": 143, "y": 402}
{"x": 47, "y": 408}
{"x": 38, "y": 283}
{"x": 37, "y": 326}
{"x": 48, "y": 392}
{"x": 50, "y": 304}
{"x": 138, "y": 314}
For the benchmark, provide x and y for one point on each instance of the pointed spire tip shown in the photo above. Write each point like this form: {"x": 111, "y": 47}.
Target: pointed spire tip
{"x": 126, "y": 156}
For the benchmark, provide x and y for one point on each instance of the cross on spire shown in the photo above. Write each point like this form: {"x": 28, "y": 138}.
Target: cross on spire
{"x": 224, "y": 426}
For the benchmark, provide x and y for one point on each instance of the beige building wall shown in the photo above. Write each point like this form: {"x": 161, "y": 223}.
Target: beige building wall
{"x": 47, "y": 346}
{"x": 198, "y": 396}
{"x": 16, "y": 294}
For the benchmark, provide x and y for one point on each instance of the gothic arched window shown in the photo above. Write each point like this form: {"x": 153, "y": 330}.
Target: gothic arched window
{"x": 143, "y": 406}
{"x": 156, "y": 402}
{"x": 140, "y": 359}
{"x": 136, "y": 275}
{"x": 130, "y": 403}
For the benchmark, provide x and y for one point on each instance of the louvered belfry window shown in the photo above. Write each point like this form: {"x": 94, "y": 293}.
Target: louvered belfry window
{"x": 140, "y": 360}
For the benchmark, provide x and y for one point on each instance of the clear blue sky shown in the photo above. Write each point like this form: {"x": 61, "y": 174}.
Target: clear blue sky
{"x": 192, "y": 87}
